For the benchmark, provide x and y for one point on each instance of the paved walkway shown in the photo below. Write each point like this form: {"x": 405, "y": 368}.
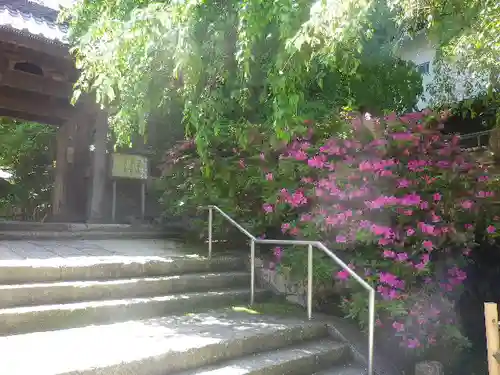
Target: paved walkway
{"x": 64, "y": 249}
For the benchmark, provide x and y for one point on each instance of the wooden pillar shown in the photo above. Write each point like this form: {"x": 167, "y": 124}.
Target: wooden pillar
{"x": 61, "y": 171}
{"x": 99, "y": 169}
{"x": 492, "y": 337}
{"x": 69, "y": 193}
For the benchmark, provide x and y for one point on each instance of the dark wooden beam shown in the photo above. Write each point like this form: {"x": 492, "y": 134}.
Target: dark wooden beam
{"x": 33, "y": 83}
{"x": 34, "y": 43}
{"x": 30, "y": 117}
{"x": 34, "y": 104}
{"x": 63, "y": 65}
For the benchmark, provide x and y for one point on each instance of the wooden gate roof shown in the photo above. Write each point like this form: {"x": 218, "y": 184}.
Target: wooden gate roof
{"x": 32, "y": 19}
{"x": 36, "y": 70}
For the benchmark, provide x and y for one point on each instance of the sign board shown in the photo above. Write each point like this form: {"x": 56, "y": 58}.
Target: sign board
{"x": 129, "y": 166}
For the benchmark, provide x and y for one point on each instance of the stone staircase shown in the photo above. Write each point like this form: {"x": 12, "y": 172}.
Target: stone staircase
{"x": 147, "y": 307}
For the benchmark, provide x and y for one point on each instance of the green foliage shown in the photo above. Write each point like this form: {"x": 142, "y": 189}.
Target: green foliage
{"x": 27, "y": 153}
{"x": 233, "y": 64}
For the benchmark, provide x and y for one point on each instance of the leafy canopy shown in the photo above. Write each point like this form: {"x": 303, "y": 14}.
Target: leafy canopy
{"x": 236, "y": 63}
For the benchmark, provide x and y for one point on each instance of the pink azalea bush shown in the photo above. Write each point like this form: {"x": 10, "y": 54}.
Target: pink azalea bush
{"x": 401, "y": 208}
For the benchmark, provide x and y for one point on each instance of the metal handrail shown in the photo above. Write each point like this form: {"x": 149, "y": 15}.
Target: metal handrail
{"x": 478, "y": 136}
{"x": 310, "y": 245}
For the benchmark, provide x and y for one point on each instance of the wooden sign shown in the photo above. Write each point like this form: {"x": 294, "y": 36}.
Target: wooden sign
{"x": 129, "y": 166}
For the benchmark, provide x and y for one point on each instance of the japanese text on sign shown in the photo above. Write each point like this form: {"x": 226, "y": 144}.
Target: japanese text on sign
{"x": 130, "y": 166}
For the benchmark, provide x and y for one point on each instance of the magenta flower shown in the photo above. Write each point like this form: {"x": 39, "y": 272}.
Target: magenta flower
{"x": 317, "y": 161}
{"x": 389, "y": 254}
{"x": 467, "y": 204}
{"x": 401, "y": 257}
{"x": 341, "y": 239}
{"x": 410, "y": 232}
{"x": 413, "y": 343}
{"x": 278, "y": 253}
{"x": 343, "y": 275}
{"x": 403, "y": 183}
{"x": 427, "y": 245}
{"x": 491, "y": 229}
{"x": 399, "y": 327}
{"x": 268, "y": 208}
{"x": 437, "y": 197}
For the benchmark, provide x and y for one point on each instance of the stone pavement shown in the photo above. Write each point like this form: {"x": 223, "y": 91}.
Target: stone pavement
{"x": 64, "y": 249}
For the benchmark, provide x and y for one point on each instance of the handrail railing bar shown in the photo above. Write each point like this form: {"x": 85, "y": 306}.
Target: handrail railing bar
{"x": 310, "y": 244}
{"x": 475, "y": 134}
{"x": 232, "y": 221}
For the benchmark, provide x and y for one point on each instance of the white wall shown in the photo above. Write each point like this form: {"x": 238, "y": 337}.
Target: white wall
{"x": 420, "y": 50}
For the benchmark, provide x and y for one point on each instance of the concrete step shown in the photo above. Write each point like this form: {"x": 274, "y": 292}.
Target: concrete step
{"x": 345, "y": 369}
{"x": 109, "y": 267}
{"x": 166, "y": 345}
{"x": 19, "y": 320}
{"x": 80, "y": 291}
{"x": 85, "y": 235}
{"x": 297, "y": 360}
{"x": 19, "y": 230}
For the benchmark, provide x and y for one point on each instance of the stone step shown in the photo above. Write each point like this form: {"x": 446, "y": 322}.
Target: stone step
{"x": 19, "y": 320}
{"x": 80, "y": 291}
{"x": 84, "y": 235}
{"x": 156, "y": 346}
{"x": 111, "y": 267}
{"x": 297, "y": 360}
{"x": 345, "y": 369}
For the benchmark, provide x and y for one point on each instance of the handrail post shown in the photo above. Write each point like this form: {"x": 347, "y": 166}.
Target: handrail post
{"x": 371, "y": 329}
{"x": 210, "y": 224}
{"x": 252, "y": 271}
{"x": 309, "y": 280}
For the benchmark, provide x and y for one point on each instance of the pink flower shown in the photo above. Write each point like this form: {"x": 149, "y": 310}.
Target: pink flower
{"x": 262, "y": 156}
{"x": 402, "y": 136}
{"x": 399, "y": 327}
{"x": 269, "y": 176}
{"x": 424, "y": 205}
{"x": 341, "y": 239}
{"x": 403, "y": 183}
{"x": 467, "y": 204}
{"x": 278, "y": 253}
{"x": 411, "y": 200}
{"x": 242, "y": 163}
{"x": 427, "y": 245}
{"x": 343, "y": 275}
{"x": 268, "y": 208}
{"x": 389, "y": 254}
{"x": 410, "y": 232}
{"x": 426, "y": 228}
{"x": 413, "y": 343}
{"x": 491, "y": 229}
{"x": 306, "y": 217}
{"x": 401, "y": 257}
{"x": 391, "y": 280}
{"x": 285, "y": 227}
{"x": 317, "y": 161}
{"x": 437, "y": 197}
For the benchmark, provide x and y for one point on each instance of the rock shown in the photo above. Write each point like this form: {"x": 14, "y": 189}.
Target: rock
{"x": 429, "y": 368}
